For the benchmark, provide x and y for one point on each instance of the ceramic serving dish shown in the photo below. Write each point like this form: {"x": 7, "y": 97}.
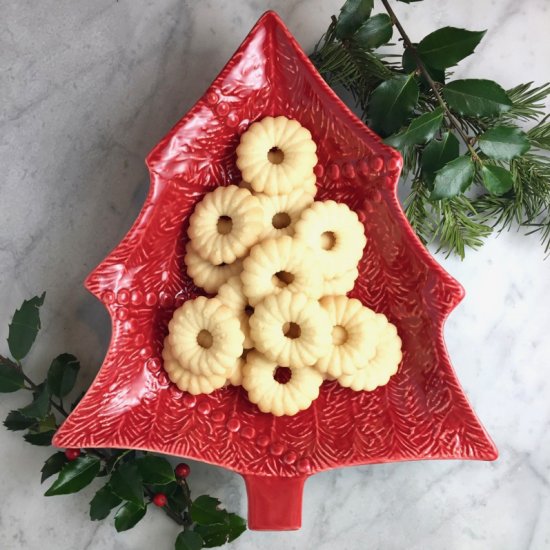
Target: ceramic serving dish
{"x": 421, "y": 414}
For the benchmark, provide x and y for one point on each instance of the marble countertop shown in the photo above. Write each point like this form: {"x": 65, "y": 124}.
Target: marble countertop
{"x": 87, "y": 89}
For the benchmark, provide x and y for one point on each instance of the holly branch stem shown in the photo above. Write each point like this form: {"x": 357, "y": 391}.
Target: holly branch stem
{"x": 420, "y": 64}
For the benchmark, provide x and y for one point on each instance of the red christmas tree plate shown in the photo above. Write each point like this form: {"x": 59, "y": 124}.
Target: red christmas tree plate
{"x": 421, "y": 414}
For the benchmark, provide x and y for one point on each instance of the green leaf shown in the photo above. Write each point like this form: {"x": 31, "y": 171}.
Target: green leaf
{"x": 24, "y": 327}
{"x": 476, "y": 97}
{"x": 40, "y": 438}
{"x": 177, "y": 500}
{"x": 374, "y": 32}
{"x": 128, "y": 515}
{"x": 352, "y": 15}
{"x": 421, "y": 129}
{"x": 454, "y": 178}
{"x": 445, "y": 47}
{"x": 53, "y": 465}
{"x": 409, "y": 66}
{"x": 437, "y": 154}
{"x": 237, "y": 526}
{"x": 40, "y": 407}
{"x": 77, "y": 400}
{"x": 189, "y": 540}
{"x": 16, "y": 421}
{"x": 75, "y": 476}
{"x": 155, "y": 470}
{"x": 214, "y": 534}
{"x": 62, "y": 374}
{"x": 204, "y": 510}
{"x": 102, "y": 503}
{"x": 126, "y": 483}
{"x": 391, "y": 103}
{"x": 497, "y": 180}
{"x": 11, "y": 378}
{"x": 504, "y": 143}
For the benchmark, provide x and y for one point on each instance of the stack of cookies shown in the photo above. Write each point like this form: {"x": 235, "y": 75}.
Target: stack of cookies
{"x": 279, "y": 264}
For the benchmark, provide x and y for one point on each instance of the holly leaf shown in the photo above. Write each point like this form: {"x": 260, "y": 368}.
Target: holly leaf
{"x": 189, "y": 540}
{"x": 454, "y": 178}
{"x": 40, "y": 407}
{"x": 77, "y": 400}
{"x": 437, "y": 154}
{"x": 126, "y": 483}
{"x": 497, "y": 180}
{"x": 62, "y": 374}
{"x": 16, "y": 421}
{"x": 421, "y": 129}
{"x": 128, "y": 515}
{"x": 409, "y": 66}
{"x": 11, "y": 378}
{"x": 504, "y": 143}
{"x": 352, "y": 15}
{"x": 102, "y": 503}
{"x": 214, "y": 534}
{"x": 237, "y": 526}
{"x": 24, "y": 327}
{"x": 476, "y": 97}
{"x": 155, "y": 470}
{"x": 75, "y": 476}
{"x": 374, "y": 32}
{"x": 53, "y": 465}
{"x": 205, "y": 511}
{"x": 39, "y": 438}
{"x": 177, "y": 500}
{"x": 445, "y": 47}
{"x": 391, "y": 103}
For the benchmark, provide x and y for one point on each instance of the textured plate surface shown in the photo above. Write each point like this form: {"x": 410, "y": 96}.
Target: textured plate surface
{"x": 421, "y": 414}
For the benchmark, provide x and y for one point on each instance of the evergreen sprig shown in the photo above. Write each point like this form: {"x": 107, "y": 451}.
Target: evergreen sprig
{"x": 470, "y": 166}
{"x": 130, "y": 480}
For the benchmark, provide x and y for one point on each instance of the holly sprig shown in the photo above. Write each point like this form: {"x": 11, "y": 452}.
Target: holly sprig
{"x": 128, "y": 481}
{"x": 470, "y": 166}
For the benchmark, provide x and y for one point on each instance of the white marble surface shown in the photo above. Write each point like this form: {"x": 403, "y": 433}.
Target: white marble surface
{"x": 87, "y": 89}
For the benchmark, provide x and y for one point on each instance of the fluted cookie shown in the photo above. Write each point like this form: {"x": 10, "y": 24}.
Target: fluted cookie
{"x": 341, "y": 284}
{"x": 275, "y": 155}
{"x": 279, "y": 393}
{"x": 231, "y": 295}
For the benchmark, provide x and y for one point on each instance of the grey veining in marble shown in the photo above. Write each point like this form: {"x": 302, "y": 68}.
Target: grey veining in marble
{"x": 86, "y": 90}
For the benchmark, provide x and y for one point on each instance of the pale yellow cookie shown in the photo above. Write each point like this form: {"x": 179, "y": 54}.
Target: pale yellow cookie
{"x": 225, "y": 224}
{"x": 236, "y": 376}
{"x": 291, "y": 329}
{"x": 335, "y": 234}
{"x": 231, "y": 295}
{"x": 275, "y": 155}
{"x": 309, "y": 185}
{"x": 186, "y": 380}
{"x": 205, "y": 337}
{"x": 383, "y": 365}
{"x": 280, "y": 264}
{"x": 206, "y": 275}
{"x": 287, "y": 397}
{"x": 341, "y": 284}
{"x": 246, "y": 185}
{"x": 281, "y": 212}
{"x": 354, "y": 335}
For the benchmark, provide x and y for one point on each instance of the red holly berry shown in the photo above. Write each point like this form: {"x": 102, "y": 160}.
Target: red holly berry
{"x": 182, "y": 470}
{"x": 72, "y": 454}
{"x": 160, "y": 500}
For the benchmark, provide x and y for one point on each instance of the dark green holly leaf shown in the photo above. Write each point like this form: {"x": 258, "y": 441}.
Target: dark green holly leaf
{"x": 504, "y": 143}
{"x": 189, "y": 540}
{"x": 391, "y": 104}
{"x": 476, "y": 97}
{"x": 421, "y": 129}
{"x": 25, "y": 326}
{"x": 409, "y": 66}
{"x": 445, "y": 47}
{"x": 374, "y": 32}
{"x": 40, "y": 438}
{"x": 237, "y": 526}
{"x": 352, "y": 16}
{"x": 497, "y": 180}
{"x": 40, "y": 407}
{"x": 177, "y": 500}
{"x": 53, "y": 465}
{"x": 62, "y": 374}
{"x": 11, "y": 378}
{"x": 204, "y": 510}
{"x": 102, "y": 503}
{"x": 437, "y": 154}
{"x": 454, "y": 178}
{"x": 155, "y": 470}
{"x": 126, "y": 482}
{"x": 16, "y": 421}
{"x": 214, "y": 534}
{"x": 77, "y": 400}
{"x": 75, "y": 475}
{"x": 128, "y": 515}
